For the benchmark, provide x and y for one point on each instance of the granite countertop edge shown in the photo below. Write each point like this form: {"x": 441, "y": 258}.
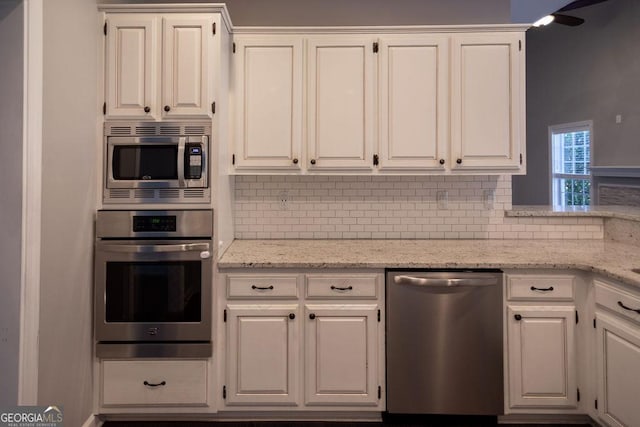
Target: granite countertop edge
{"x": 609, "y": 259}
{"x": 618, "y": 212}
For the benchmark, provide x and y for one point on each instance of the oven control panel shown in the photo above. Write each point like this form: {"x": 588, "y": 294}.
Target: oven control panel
{"x": 154, "y": 223}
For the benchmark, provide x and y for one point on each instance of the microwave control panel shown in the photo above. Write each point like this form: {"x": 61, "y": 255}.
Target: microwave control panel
{"x": 193, "y": 161}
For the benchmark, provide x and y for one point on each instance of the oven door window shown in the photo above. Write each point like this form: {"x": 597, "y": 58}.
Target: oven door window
{"x": 153, "y": 291}
{"x": 145, "y": 162}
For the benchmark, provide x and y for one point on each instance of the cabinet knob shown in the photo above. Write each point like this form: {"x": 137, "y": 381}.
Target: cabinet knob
{"x": 167, "y": 108}
{"x": 147, "y": 109}
{"x": 517, "y": 317}
{"x": 459, "y": 161}
{"x": 442, "y": 161}
{"x": 292, "y": 316}
{"x": 313, "y": 161}
{"x": 312, "y": 316}
{"x": 295, "y": 161}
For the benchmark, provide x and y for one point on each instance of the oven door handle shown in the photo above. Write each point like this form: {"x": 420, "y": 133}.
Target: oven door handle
{"x": 185, "y": 247}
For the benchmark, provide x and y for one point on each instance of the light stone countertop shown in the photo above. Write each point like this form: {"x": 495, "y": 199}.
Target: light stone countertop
{"x": 621, "y": 212}
{"x": 611, "y": 259}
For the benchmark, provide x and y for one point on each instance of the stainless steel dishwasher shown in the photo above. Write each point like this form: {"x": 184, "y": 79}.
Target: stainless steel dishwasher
{"x": 444, "y": 342}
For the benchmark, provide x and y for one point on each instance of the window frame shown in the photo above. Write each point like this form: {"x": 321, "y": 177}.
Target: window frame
{"x": 585, "y": 125}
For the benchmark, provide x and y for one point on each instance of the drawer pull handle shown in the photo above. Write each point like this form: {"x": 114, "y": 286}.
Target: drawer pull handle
{"x": 160, "y": 384}
{"x": 338, "y": 288}
{"x": 637, "y": 310}
{"x": 549, "y": 289}
{"x": 262, "y": 288}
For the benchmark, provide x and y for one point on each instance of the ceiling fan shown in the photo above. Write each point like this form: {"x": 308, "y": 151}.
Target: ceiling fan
{"x": 560, "y": 18}
{"x": 572, "y": 21}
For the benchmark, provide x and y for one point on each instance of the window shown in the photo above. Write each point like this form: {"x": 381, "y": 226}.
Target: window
{"x": 571, "y": 164}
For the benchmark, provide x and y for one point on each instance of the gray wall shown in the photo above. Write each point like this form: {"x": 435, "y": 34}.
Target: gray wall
{"x": 70, "y": 106}
{"x": 11, "y": 57}
{"x": 360, "y": 12}
{"x": 590, "y": 72}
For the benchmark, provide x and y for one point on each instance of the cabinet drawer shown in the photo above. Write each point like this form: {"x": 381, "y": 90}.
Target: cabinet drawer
{"x": 622, "y": 302}
{"x": 540, "y": 287}
{"x": 262, "y": 286}
{"x": 154, "y": 382}
{"x": 342, "y": 286}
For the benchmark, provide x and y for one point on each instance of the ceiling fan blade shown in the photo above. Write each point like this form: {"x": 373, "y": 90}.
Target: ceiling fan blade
{"x": 580, "y": 3}
{"x": 572, "y": 21}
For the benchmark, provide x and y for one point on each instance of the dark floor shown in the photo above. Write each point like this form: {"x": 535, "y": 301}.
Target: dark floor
{"x": 429, "y": 421}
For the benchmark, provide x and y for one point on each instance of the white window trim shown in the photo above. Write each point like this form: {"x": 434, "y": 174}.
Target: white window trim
{"x": 563, "y": 128}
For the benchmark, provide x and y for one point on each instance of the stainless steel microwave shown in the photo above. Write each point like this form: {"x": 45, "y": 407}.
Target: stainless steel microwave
{"x": 157, "y": 162}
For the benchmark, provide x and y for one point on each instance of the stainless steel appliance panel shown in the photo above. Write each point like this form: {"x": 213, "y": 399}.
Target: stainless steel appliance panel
{"x": 444, "y": 343}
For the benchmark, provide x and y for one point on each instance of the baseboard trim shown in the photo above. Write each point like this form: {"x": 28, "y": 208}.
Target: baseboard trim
{"x": 550, "y": 419}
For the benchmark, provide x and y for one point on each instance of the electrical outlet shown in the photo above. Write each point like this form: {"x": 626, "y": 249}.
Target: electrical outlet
{"x": 283, "y": 199}
{"x": 442, "y": 198}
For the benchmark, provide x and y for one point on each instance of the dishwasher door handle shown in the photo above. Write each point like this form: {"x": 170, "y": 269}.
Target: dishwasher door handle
{"x": 441, "y": 282}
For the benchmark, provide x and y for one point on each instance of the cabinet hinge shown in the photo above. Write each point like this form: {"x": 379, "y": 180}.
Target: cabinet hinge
{"x": 104, "y": 29}
{"x": 379, "y": 392}
{"x": 596, "y": 404}
{"x": 578, "y": 395}
{"x": 375, "y": 47}
{"x": 577, "y": 318}
{"x": 233, "y": 48}
{"x": 376, "y": 160}
{"x": 213, "y": 28}
{"x": 104, "y": 109}
{"x": 224, "y": 315}
{"x": 378, "y": 315}
{"x": 213, "y": 107}
{"x": 233, "y": 159}
{"x": 594, "y": 323}
{"x": 224, "y": 391}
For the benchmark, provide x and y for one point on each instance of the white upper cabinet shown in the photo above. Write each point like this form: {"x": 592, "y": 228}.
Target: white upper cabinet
{"x": 340, "y": 95}
{"x": 427, "y": 101}
{"x": 132, "y": 59}
{"x": 268, "y": 120}
{"x": 487, "y": 101}
{"x": 159, "y": 66}
{"x": 413, "y": 106}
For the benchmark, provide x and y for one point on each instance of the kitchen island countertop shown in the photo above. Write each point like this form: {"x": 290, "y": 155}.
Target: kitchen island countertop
{"x": 612, "y": 259}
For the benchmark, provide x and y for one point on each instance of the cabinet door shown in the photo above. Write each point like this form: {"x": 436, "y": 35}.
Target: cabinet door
{"x": 268, "y": 94}
{"x": 414, "y": 102}
{"x": 131, "y": 66}
{"x": 341, "y": 354}
{"x": 542, "y": 369}
{"x": 262, "y": 355}
{"x": 187, "y": 49}
{"x": 340, "y": 103}
{"x": 618, "y": 356}
{"x": 487, "y": 101}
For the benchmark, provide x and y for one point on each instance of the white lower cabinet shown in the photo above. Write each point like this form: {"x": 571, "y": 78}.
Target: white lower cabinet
{"x": 323, "y": 349}
{"x": 541, "y": 342}
{"x": 618, "y": 355}
{"x": 144, "y": 382}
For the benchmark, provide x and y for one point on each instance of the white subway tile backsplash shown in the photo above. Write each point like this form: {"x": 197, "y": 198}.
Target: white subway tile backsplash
{"x": 391, "y": 207}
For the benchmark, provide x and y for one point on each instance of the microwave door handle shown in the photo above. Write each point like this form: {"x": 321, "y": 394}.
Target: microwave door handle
{"x": 180, "y": 160}
{"x": 186, "y": 247}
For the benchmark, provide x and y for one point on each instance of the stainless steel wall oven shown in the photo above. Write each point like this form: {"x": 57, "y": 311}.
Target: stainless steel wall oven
{"x": 153, "y": 280}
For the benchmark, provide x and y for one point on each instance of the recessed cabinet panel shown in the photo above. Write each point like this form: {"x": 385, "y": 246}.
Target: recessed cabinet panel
{"x": 131, "y": 63}
{"x": 186, "y": 68}
{"x": 413, "y": 102}
{"x": 541, "y": 352}
{"x": 262, "y": 355}
{"x": 341, "y": 350}
{"x": 269, "y": 116}
{"x": 486, "y": 128}
{"x": 618, "y": 372}
{"x": 340, "y": 107}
